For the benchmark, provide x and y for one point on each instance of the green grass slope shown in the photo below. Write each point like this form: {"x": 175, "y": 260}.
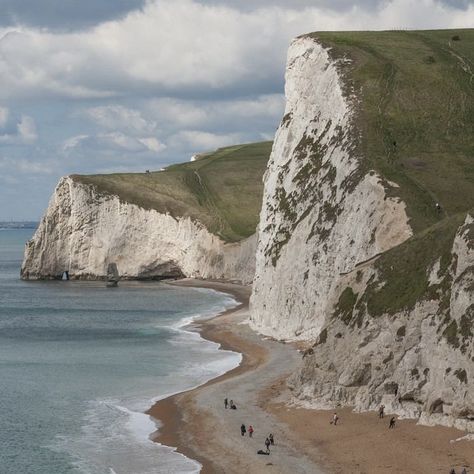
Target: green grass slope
{"x": 415, "y": 123}
{"x": 416, "y": 113}
{"x": 222, "y": 189}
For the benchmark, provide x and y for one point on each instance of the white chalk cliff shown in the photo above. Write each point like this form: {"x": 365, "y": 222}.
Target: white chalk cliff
{"x": 83, "y": 231}
{"x": 320, "y": 216}
{"x": 324, "y": 266}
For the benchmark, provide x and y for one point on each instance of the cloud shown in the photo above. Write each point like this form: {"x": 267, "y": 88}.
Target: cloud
{"x": 13, "y": 131}
{"x": 4, "y": 112}
{"x": 75, "y": 15}
{"x": 118, "y": 117}
{"x": 64, "y": 14}
{"x": 336, "y": 5}
{"x": 139, "y": 84}
{"x": 111, "y": 142}
{"x": 27, "y": 129}
{"x": 181, "y": 47}
{"x": 173, "y": 113}
{"x": 203, "y": 141}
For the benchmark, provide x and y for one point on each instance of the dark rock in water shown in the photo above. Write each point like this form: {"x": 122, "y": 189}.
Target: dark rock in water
{"x": 113, "y": 276}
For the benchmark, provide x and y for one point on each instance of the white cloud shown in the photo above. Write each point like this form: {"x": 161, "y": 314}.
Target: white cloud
{"x": 27, "y": 129}
{"x": 170, "y": 112}
{"x": 152, "y": 144}
{"x": 20, "y": 133}
{"x": 179, "y": 45}
{"x": 4, "y": 113}
{"x": 118, "y": 117}
{"x": 203, "y": 141}
{"x": 113, "y": 141}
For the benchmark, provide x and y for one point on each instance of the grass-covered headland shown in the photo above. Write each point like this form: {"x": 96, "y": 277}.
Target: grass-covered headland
{"x": 414, "y": 123}
{"x": 415, "y": 113}
{"x": 222, "y": 189}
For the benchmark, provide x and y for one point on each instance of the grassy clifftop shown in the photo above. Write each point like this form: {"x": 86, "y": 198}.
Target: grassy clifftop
{"x": 414, "y": 104}
{"x": 222, "y": 189}
{"x": 415, "y": 113}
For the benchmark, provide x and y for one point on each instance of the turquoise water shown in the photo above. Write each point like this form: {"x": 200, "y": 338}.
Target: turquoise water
{"x": 80, "y": 363}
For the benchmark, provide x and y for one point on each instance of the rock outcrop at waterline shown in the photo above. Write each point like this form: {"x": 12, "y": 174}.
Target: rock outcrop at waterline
{"x": 84, "y": 230}
{"x": 355, "y": 256}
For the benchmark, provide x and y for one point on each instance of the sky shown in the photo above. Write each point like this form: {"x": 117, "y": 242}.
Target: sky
{"x": 101, "y": 86}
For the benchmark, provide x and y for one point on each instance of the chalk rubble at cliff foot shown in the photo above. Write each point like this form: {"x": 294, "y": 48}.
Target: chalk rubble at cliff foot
{"x": 388, "y": 316}
{"x": 83, "y": 231}
{"x": 417, "y": 361}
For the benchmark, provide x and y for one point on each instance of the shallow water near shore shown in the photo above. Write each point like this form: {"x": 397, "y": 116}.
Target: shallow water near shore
{"x": 80, "y": 363}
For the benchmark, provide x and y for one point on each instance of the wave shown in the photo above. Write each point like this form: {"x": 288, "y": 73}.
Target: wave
{"x": 112, "y": 426}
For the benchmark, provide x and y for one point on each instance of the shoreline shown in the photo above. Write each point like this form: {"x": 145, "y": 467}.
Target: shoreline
{"x": 167, "y": 411}
{"x": 196, "y": 424}
{"x": 184, "y": 419}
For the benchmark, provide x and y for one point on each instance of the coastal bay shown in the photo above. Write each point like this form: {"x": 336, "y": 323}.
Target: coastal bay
{"x": 198, "y": 425}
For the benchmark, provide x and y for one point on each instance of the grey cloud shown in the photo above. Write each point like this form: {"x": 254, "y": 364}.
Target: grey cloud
{"x": 336, "y": 5}
{"x": 64, "y": 14}
{"x": 460, "y": 4}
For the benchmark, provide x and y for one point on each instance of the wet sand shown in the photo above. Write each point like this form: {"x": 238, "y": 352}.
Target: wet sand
{"x": 198, "y": 425}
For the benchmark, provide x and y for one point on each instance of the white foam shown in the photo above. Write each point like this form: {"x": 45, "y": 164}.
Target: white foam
{"x": 112, "y": 426}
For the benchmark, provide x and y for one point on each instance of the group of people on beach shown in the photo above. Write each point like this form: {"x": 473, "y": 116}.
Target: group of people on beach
{"x": 269, "y": 440}
{"x": 230, "y": 404}
{"x": 391, "y": 425}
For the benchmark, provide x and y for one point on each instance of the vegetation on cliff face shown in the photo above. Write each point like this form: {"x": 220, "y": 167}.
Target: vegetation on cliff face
{"x": 415, "y": 114}
{"x": 222, "y": 190}
{"x": 405, "y": 270}
{"x": 413, "y": 99}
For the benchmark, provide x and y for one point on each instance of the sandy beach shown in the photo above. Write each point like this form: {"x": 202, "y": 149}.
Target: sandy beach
{"x": 198, "y": 425}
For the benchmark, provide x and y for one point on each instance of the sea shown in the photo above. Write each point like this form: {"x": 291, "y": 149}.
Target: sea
{"x": 80, "y": 364}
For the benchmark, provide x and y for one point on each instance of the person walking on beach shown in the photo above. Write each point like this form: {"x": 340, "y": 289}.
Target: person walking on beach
{"x": 452, "y": 471}
{"x": 226, "y": 403}
{"x": 250, "y": 431}
{"x": 392, "y": 422}
{"x": 270, "y": 437}
{"x": 381, "y": 411}
{"x": 243, "y": 430}
{"x": 335, "y": 419}
{"x": 267, "y": 444}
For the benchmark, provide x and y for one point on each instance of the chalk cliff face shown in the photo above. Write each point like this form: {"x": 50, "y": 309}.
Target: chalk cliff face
{"x": 388, "y": 315}
{"x": 321, "y": 214}
{"x": 418, "y": 362}
{"x": 83, "y": 230}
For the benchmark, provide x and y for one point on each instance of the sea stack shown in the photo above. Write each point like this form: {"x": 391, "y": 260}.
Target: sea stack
{"x": 113, "y": 276}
